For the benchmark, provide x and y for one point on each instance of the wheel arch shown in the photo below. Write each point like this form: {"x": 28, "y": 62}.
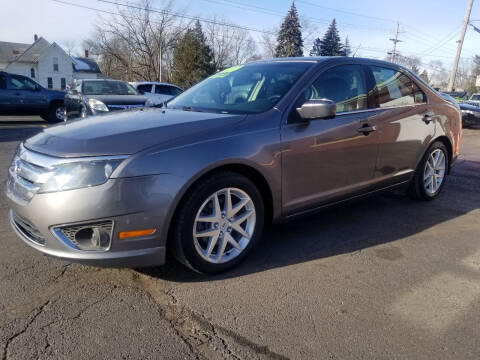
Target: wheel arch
{"x": 253, "y": 174}
{"x": 448, "y": 144}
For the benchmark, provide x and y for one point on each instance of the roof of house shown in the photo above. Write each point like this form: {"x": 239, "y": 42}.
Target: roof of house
{"x": 9, "y": 51}
{"x": 82, "y": 64}
{"x": 34, "y": 51}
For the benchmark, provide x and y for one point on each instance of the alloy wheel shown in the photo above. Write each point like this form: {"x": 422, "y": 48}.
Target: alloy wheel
{"x": 434, "y": 172}
{"x": 224, "y": 225}
{"x": 60, "y": 113}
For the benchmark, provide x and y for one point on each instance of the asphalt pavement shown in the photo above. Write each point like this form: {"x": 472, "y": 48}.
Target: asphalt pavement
{"x": 384, "y": 277}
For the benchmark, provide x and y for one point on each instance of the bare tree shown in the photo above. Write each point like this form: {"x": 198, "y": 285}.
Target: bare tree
{"x": 137, "y": 43}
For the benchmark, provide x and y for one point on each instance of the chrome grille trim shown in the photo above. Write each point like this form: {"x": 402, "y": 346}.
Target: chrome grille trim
{"x": 27, "y": 230}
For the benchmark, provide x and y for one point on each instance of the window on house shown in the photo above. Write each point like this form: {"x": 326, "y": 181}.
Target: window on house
{"x": 63, "y": 83}
{"x": 55, "y": 64}
{"x": 32, "y": 73}
{"x": 50, "y": 83}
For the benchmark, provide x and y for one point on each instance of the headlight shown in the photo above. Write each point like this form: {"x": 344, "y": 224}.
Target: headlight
{"x": 97, "y": 105}
{"x": 77, "y": 175}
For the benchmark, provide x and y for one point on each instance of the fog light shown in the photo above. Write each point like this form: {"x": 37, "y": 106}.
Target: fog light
{"x": 89, "y": 237}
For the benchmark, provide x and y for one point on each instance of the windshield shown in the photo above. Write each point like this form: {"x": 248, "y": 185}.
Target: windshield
{"x": 242, "y": 89}
{"x": 475, "y": 97}
{"x": 106, "y": 87}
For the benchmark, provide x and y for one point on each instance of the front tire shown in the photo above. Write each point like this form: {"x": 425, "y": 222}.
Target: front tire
{"x": 218, "y": 223}
{"x": 56, "y": 113}
{"x": 431, "y": 173}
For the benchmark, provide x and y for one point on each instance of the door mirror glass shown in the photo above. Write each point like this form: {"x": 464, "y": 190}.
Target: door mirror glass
{"x": 317, "y": 109}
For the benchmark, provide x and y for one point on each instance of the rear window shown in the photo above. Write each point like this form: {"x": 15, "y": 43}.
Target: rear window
{"x": 393, "y": 88}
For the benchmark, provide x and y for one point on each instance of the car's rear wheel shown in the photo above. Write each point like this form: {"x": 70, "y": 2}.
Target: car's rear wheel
{"x": 218, "y": 223}
{"x": 431, "y": 174}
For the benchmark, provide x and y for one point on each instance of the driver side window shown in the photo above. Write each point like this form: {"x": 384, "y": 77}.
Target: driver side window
{"x": 21, "y": 83}
{"x": 345, "y": 85}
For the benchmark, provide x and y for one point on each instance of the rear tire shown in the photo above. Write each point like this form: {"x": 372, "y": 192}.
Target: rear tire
{"x": 233, "y": 230}
{"x": 431, "y": 173}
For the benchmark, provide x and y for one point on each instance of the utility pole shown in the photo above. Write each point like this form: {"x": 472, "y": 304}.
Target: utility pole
{"x": 395, "y": 40}
{"x": 453, "y": 75}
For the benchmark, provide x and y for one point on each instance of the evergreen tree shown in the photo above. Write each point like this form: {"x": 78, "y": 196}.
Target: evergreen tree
{"x": 289, "y": 40}
{"x": 316, "y": 48}
{"x": 192, "y": 58}
{"x": 347, "y": 50}
{"x": 330, "y": 44}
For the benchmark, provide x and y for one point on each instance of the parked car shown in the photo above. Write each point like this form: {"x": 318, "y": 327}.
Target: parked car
{"x": 100, "y": 96}
{"x": 470, "y": 115}
{"x": 252, "y": 144}
{"x": 474, "y": 100}
{"x": 157, "y": 92}
{"x": 20, "y": 95}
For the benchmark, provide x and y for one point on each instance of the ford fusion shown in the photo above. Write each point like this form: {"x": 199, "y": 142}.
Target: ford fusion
{"x": 249, "y": 145}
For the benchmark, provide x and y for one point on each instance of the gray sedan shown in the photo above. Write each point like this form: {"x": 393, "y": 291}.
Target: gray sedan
{"x": 252, "y": 144}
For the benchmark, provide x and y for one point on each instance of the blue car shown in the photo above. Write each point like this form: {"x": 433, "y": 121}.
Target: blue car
{"x": 20, "y": 95}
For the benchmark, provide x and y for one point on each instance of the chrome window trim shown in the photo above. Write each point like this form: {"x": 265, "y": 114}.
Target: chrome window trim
{"x": 47, "y": 161}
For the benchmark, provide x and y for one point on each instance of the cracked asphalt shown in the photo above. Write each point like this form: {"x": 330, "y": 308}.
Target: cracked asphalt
{"x": 384, "y": 277}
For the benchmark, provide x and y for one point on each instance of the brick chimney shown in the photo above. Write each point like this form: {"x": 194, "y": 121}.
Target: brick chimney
{"x": 85, "y": 53}
{"x": 35, "y": 37}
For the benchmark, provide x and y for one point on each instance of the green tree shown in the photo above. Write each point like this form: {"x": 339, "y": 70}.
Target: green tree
{"x": 192, "y": 58}
{"x": 347, "y": 49}
{"x": 330, "y": 44}
{"x": 289, "y": 40}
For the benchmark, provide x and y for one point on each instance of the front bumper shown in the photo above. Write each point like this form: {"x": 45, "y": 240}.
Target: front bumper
{"x": 131, "y": 203}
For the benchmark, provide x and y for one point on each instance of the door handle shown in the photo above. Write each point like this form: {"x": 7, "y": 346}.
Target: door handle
{"x": 427, "y": 118}
{"x": 367, "y": 129}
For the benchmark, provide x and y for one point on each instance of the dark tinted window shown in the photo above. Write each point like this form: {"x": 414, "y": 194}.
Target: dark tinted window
{"x": 3, "y": 81}
{"x": 21, "y": 83}
{"x": 175, "y": 91}
{"x": 145, "y": 88}
{"x": 392, "y": 88}
{"x": 167, "y": 90}
{"x": 107, "y": 87}
{"x": 345, "y": 85}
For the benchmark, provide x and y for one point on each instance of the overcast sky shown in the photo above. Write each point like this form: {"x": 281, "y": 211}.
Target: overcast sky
{"x": 429, "y": 28}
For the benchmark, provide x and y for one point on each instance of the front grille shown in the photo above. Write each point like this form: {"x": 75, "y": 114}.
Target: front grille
{"x": 28, "y": 230}
{"x": 24, "y": 176}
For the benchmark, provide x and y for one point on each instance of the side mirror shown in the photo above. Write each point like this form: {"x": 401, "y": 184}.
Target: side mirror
{"x": 37, "y": 87}
{"x": 317, "y": 109}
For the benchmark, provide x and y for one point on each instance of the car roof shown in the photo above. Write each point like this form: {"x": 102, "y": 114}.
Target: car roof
{"x": 321, "y": 59}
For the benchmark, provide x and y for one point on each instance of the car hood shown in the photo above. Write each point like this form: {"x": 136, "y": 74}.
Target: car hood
{"x": 129, "y": 132}
{"x": 119, "y": 99}
{"x": 469, "y": 107}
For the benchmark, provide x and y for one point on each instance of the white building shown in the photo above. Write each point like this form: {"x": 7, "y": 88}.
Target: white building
{"x": 46, "y": 63}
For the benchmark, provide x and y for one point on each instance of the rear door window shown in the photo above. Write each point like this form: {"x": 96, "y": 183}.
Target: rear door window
{"x": 146, "y": 88}
{"x": 3, "y": 82}
{"x": 393, "y": 88}
{"x": 163, "y": 89}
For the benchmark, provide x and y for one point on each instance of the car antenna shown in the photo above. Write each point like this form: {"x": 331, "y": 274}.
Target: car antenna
{"x": 355, "y": 53}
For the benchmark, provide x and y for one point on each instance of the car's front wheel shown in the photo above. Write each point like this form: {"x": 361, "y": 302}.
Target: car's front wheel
{"x": 218, "y": 222}
{"x": 431, "y": 173}
{"x": 56, "y": 113}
